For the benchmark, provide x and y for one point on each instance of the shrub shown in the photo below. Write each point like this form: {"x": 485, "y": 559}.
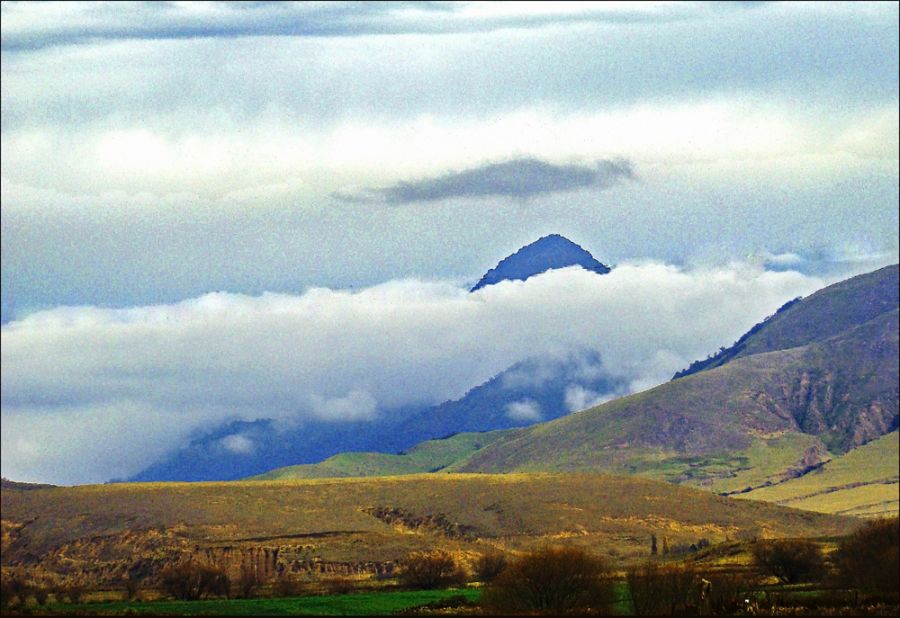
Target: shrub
{"x": 132, "y": 585}
{"x": 869, "y": 559}
{"x": 40, "y": 594}
{"x": 74, "y": 592}
{"x": 338, "y": 585}
{"x": 6, "y": 594}
{"x": 551, "y": 580}
{"x": 247, "y": 583}
{"x": 12, "y": 587}
{"x": 489, "y": 566}
{"x": 789, "y": 561}
{"x": 287, "y": 586}
{"x": 189, "y": 581}
{"x": 428, "y": 570}
{"x": 15, "y": 586}
{"x": 725, "y": 591}
{"x": 655, "y": 589}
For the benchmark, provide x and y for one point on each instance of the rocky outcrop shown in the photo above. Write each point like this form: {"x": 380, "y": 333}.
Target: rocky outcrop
{"x": 430, "y": 523}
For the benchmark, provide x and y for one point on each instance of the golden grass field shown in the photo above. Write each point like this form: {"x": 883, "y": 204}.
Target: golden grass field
{"x": 98, "y": 532}
{"x": 862, "y": 482}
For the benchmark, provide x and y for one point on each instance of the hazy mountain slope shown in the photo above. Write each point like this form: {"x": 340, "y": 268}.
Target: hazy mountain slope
{"x": 843, "y": 390}
{"x": 528, "y": 392}
{"x": 546, "y": 253}
{"x": 429, "y": 456}
{"x": 823, "y": 314}
{"x": 864, "y": 481}
{"x": 538, "y": 386}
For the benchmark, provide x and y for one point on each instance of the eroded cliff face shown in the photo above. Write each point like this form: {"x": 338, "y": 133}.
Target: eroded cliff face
{"x": 107, "y": 561}
{"x": 822, "y": 404}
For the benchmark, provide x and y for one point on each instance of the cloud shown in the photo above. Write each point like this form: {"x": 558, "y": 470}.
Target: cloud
{"x": 521, "y": 178}
{"x": 90, "y": 394}
{"x": 578, "y": 397}
{"x": 527, "y": 410}
{"x": 356, "y": 405}
{"x": 30, "y": 27}
{"x": 238, "y": 444}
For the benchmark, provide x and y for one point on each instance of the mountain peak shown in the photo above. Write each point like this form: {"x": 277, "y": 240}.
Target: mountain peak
{"x": 546, "y": 253}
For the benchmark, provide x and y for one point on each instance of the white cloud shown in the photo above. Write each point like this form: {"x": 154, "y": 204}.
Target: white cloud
{"x": 356, "y": 405}
{"x": 91, "y": 393}
{"x": 524, "y": 410}
{"x": 578, "y": 397}
{"x": 238, "y": 444}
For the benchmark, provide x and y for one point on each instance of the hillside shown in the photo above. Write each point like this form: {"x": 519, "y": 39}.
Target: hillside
{"x": 753, "y": 424}
{"x": 540, "y": 382}
{"x": 863, "y": 482}
{"x": 429, "y": 456}
{"x": 324, "y": 528}
{"x": 843, "y": 390}
{"x": 823, "y": 314}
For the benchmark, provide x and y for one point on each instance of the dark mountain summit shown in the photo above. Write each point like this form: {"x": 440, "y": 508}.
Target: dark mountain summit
{"x": 546, "y": 253}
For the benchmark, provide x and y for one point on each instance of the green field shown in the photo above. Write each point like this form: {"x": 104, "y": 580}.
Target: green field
{"x": 357, "y": 604}
{"x": 429, "y": 456}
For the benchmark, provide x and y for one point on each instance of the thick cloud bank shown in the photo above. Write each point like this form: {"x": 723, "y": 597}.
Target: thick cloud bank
{"x": 89, "y": 394}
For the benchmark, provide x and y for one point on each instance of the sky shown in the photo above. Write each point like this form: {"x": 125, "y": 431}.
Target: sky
{"x": 168, "y": 165}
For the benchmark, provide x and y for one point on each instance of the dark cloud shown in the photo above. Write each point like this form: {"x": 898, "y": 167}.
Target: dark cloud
{"x": 33, "y": 28}
{"x": 519, "y": 178}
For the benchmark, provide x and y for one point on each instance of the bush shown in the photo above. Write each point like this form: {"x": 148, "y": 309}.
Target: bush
{"x": 869, "y": 559}
{"x": 489, "y": 566}
{"x": 13, "y": 587}
{"x": 74, "y": 592}
{"x": 551, "y": 580}
{"x": 40, "y": 594}
{"x": 656, "y": 589}
{"x": 6, "y": 594}
{"x": 789, "y": 561}
{"x": 338, "y": 585}
{"x": 725, "y": 591}
{"x": 16, "y": 587}
{"x": 132, "y": 585}
{"x": 287, "y": 586}
{"x": 247, "y": 583}
{"x": 190, "y": 581}
{"x": 431, "y": 570}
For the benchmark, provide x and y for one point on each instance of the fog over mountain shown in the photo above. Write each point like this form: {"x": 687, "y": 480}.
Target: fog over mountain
{"x": 226, "y": 222}
{"x": 116, "y": 390}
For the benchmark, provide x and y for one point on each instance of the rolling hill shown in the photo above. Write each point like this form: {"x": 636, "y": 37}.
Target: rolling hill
{"x": 429, "y": 456}
{"x": 322, "y": 528}
{"x": 864, "y": 481}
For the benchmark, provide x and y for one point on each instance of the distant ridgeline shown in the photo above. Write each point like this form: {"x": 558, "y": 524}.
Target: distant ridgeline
{"x": 546, "y": 253}
{"x": 726, "y": 354}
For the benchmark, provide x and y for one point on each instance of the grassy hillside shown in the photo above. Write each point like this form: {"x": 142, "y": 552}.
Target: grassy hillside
{"x": 861, "y": 482}
{"x": 99, "y": 533}
{"x": 753, "y": 420}
{"x": 826, "y": 313}
{"x": 429, "y": 456}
